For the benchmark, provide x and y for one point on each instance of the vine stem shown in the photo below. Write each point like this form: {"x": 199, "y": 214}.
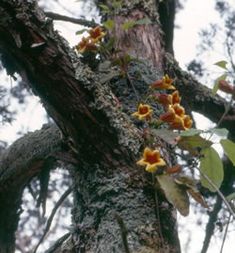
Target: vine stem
{"x": 157, "y": 209}
{"x": 225, "y": 234}
{"x": 225, "y": 112}
{"x": 219, "y": 192}
{"x": 133, "y": 86}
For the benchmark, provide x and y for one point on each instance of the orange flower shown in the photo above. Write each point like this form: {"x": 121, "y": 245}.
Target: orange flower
{"x": 182, "y": 123}
{"x": 144, "y": 112}
{"x": 96, "y": 34}
{"x": 175, "y": 97}
{"x": 176, "y": 117}
{"x": 168, "y": 116}
{"x": 85, "y": 45}
{"x": 177, "y": 123}
{"x": 164, "y": 99}
{"x": 151, "y": 159}
{"x": 187, "y": 122}
{"x": 164, "y": 84}
{"x": 179, "y": 110}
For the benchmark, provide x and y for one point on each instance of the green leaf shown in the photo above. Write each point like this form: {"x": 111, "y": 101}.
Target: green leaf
{"x": 222, "y": 132}
{"x": 144, "y": 21}
{"x": 174, "y": 193}
{"x": 193, "y": 144}
{"x": 104, "y": 8}
{"x": 211, "y": 166}
{"x": 109, "y": 24}
{"x": 229, "y": 149}
{"x": 129, "y": 24}
{"x": 81, "y": 31}
{"x": 167, "y": 135}
{"x": 216, "y": 85}
{"x": 231, "y": 197}
{"x": 117, "y": 4}
{"x": 221, "y": 64}
{"x": 191, "y": 132}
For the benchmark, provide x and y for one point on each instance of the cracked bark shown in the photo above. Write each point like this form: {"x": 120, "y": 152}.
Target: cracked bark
{"x": 23, "y": 160}
{"x": 108, "y": 143}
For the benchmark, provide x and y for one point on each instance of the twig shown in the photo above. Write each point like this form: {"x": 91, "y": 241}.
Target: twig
{"x": 58, "y": 243}
{"x": 211, "y": 224}
{"x": 225, "y": 234}
{"x": 219, "y": 193}
{"x": 230, "y": 54}
{"x": 133, "y": 86}
{"x": 78, "y": 21}
{"x": 50, "y": 219}
{"x": 227, "y": 108}
{"x": 124, "y": 232}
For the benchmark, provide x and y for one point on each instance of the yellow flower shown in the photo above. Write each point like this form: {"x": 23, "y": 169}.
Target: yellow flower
{"x": 85, "y": 45}
{"x": 151, "y": 159}
{"x": 176, "y": 118}
{"x": 144, "y": 112}
{"x": 179, "y": 110}
{"x": 164, "y": 84}
{"x": 96, "y": 34}
{"x": 177, "y": 123}
{"x": 164, "y": 99}
{"x": 175, "y": 97}
{"x": 168, "y": 116}
{"x": 187, "y": 122}
{"x": 181, "y": 123}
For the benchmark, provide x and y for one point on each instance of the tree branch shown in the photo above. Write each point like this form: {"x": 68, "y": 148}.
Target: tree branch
{"x": 78, "y": 21}
{"x": 26, "y": 156}
{"x": 56, "y": 74}
{"x": 24, "y": 159}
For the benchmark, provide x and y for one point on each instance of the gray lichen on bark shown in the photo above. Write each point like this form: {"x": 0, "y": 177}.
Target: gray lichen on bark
{"x": 148, "y": 6}
{"x": 105, "y": 101}
{"x": 30, "y": 148}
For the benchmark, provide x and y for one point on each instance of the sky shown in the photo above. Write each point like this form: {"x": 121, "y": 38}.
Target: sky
{"x": 197, "y": 14}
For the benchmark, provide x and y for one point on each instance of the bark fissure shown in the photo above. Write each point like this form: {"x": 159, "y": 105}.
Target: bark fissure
{"x": 106, "y": 179}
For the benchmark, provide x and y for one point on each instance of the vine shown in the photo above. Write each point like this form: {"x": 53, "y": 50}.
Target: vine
{"x": 173, "y": 126}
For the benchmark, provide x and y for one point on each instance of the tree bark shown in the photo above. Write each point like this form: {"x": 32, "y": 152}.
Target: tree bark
{"x": 114, "y": 202}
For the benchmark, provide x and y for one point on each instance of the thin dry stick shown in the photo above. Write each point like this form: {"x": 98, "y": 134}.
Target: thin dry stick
{"x": 78, "y": 21}
{"x": 219, "y": 192}
{"x": 225, "y": 234}
{"x": 227, "y": 108}
{"x": 50, "y": 219}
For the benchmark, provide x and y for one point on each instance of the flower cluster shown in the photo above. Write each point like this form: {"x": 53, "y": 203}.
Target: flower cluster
{"x": 90, "y": 43}
{"x": 175, "y": 114}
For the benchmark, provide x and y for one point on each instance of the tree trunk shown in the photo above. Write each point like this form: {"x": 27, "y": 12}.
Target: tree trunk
{"x": 115, "y": 205}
